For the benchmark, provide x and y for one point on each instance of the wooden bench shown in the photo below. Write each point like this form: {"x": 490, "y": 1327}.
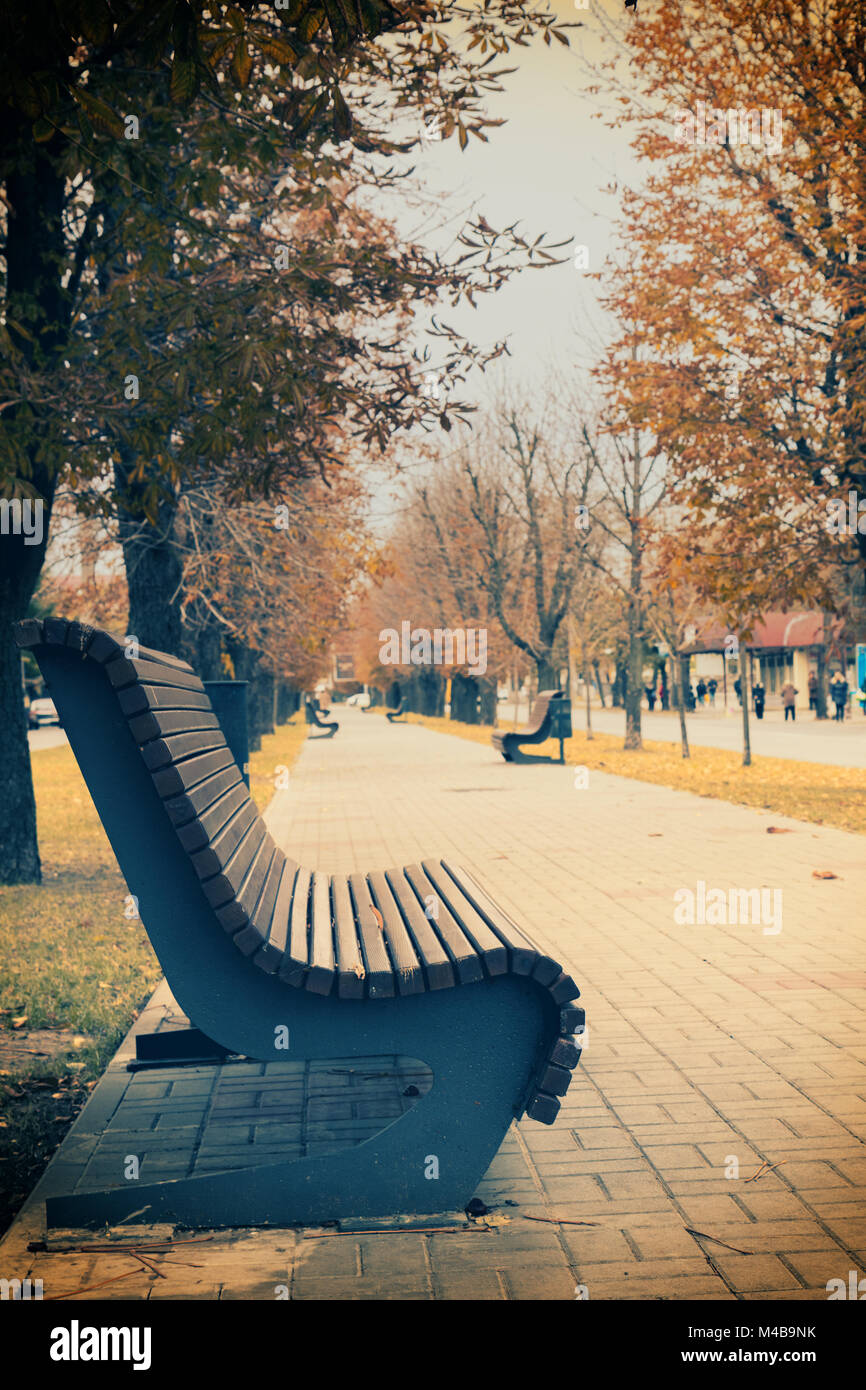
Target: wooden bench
{"x": 315, "y": 717}
{"x": 538, "y": 730}
{"x": 416, "y": 961}
{"x": 396, "y": 713}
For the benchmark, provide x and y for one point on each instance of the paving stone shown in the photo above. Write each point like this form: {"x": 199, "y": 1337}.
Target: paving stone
{"x": 702, "y": 1045}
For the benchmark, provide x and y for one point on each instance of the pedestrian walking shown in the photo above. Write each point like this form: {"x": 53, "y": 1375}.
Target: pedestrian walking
{"x": 789, "y": 700}
{"x": 738, "y": 690}
{"x": 759, "y": 695}
{"x": 702, "y": 691}
{"x": 712, "y": 687}
{"x": 650, "y": 697}
{"x": 813, "y": 691}
{"x": 839, "y": 694}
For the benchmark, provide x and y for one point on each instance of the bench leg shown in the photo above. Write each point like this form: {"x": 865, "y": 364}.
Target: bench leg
{"x": 429, "y": 1160}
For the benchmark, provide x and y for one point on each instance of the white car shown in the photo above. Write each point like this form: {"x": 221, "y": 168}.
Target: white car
{"x": 42, "y": 711}
{"x": 361, "y": 700}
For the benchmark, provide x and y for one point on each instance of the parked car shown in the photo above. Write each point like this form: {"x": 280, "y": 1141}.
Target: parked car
{"x": 42, "y": 711}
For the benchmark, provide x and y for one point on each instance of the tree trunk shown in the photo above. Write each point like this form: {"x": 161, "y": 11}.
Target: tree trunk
{"x": 34, "y": 253}
{"x": 821, "y": 682}
{"x": 598, "y": 682}
{"x": 154, "y": 570}
{"x": 547, "y": 677}
{"x": 586, "y": 689}
{"x": 243, "y": 665}
{"x": 745, "y": 687}
{"x": 487, "y": 701}
{"x": 263, "y": 688}
{"x": 684, "y": 665}
{"x": 20, "y": 861}
{"x": 634, "y": 683}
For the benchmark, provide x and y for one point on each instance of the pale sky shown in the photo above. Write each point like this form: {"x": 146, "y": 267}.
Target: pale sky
{"x": 553, "y": 167}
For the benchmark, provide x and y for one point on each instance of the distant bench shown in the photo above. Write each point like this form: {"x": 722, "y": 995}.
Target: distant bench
{"x": 258, "y": 951}
{"x": 314, "y": 716}
{"x": 546, "y": 721}
{"x": 397, "y": 712}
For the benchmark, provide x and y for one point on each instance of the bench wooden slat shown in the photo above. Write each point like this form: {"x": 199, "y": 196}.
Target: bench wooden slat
{"x": 138, "y": 699}
{"x": 458, "y": 946}
{"x": 543, "y": 969}
{"x": 409, "y": 975}
{"x": 190, "y": 804}
{"x": 223, "y": 844}
{"x": 251, "y": 938}
{"x": 199, "y": 832}
{"x": 436, "y": 963}
{"x": 293, "y": 968}
{"x": 160, "y": 723}
{"x": 124, "y": 670}
{"x": 572, "y": 1019}
{"x": 351, "y": 973}
{"x": 485, "y": 942}
{"x": 555, "y": 1080}
{"x": 270, "y": 920}
{"x": 176, "y": 780}
{"x": 523, "y": 954}
{"x": 377, "y": 962}
{"x": 227, "y": 882}
{"x": 321, "y": 971}
{"x": 543, "y": 1108}
{"x": 161, "y": 751}
{"x": 564, "y": 989}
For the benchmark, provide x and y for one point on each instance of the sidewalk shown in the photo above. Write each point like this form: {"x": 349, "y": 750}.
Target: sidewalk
{"x": 712, "y": 1049}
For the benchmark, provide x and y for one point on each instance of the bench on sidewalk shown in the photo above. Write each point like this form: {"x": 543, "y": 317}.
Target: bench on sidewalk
{"x": 277, "y": 962}
{"x": 396, "y": 713}
{"x": 543, "y": 724}
{"x": 315, "y": 717}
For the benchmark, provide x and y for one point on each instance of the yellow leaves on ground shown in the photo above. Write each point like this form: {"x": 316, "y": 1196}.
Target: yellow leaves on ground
{"x": 805, "y": 791}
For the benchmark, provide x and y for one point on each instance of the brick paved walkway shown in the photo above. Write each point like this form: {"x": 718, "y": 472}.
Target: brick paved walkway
{"x": 712, "y": 1050}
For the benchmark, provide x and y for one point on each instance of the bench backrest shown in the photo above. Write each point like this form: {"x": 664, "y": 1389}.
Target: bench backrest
{"x": 541, "y": 709}
{"x": 167, "y": 789}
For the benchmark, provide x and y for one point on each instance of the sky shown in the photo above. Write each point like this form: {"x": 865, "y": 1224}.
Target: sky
{"x": 556, "y": 167}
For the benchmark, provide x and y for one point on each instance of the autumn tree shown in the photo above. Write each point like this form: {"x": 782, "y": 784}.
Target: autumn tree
{"x": 742, "y": 284}
{"x": 530, "y": 475}
{"x": 124, "y": 133}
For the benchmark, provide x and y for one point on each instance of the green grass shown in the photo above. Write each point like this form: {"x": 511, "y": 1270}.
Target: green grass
{"x": 71, "y": 959}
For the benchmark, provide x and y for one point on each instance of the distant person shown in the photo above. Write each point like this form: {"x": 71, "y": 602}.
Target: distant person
{"x": 789, "y": 700}
{"x": 738, "y": 690}
{"x": 690, "y": 697}
{"x": 759, "y": 696}
{"x": 650, "y": 696}
{"x": 839, "y": 694}
{"x": 712, "y": 687}
{"x": 813, "y": 691}
{"x": 861, "y": 696}
{"x": 665, "y": 696}
{"x": 702, "y": 690}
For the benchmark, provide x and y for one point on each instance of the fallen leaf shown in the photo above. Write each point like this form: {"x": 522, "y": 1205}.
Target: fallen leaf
{"x": 779, "y": 830}
{"x": 823, "y": 873}
{"x": 20, "y": 1021}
